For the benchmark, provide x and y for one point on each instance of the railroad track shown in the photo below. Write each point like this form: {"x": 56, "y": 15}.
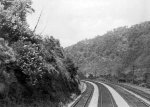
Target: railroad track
{"x": 136, "y": 91}
{"x": 102, "y": 100}
{"x": 127, "y": 97}
{"x": 85, "y": 98}
{"x": 139, "y": 92}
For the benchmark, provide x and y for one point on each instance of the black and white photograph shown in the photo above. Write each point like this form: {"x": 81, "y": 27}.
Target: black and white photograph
{"x": 74, "y": 53}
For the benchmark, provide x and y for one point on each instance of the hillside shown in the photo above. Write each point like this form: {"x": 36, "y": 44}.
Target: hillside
{"x": 122, "y": 53}
{"x": 34, "y": 71}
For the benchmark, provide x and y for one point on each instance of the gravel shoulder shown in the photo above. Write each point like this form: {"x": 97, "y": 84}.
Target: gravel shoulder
{"x": 83, "y": 87}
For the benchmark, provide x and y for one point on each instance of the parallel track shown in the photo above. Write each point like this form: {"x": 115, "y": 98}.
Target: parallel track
{"x": 86, "y": 96}
{"x": 127, "y": 97}
{"x": 103, "y": 92}
{"x": 139, "y": 92}
{"x": 88, "y": 93}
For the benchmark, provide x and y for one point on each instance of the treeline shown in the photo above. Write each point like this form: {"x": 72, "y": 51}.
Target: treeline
{"x": 123, "y": 53}
{"x": 34, "y": 71}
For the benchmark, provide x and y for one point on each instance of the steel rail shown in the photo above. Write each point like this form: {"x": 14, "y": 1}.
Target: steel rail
{"x": 141, "y": 94}
{"x": 126, "y": 87}
{"x": 137, "y": 91}
{"x": 87, "y": 100}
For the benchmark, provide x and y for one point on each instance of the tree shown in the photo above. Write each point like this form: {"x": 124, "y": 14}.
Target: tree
{"x": 13, "y": 24}
{"x": 71, "y": 68}
{"x": 34, "y": 68}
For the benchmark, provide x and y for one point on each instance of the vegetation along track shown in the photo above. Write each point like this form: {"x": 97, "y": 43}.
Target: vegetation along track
{"x": 85, "y": 98}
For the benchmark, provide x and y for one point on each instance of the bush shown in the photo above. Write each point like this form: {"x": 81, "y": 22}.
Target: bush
{"x": 40, "y": 75}
{"x": 32, "y": 69}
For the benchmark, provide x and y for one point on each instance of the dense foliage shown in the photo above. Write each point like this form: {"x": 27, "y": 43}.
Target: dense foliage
{"x": 33, "y": 69}
{"x": 122, "y": 53}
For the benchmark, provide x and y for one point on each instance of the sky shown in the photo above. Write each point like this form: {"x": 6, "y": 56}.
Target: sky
{"x": 71, "y": 21}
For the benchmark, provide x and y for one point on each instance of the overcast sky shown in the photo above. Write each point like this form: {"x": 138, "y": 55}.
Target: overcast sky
{"x": 73, "y": 20}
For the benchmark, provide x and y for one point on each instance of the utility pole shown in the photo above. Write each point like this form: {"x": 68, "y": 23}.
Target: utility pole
{"x": 38, "y": 21}
{"x": 133, "y": 70}
{"x": 95, "y": 73}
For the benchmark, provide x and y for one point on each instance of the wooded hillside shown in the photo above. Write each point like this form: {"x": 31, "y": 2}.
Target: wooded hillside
{"x": 34, "y": 71}
{"x": 123, "y": 53}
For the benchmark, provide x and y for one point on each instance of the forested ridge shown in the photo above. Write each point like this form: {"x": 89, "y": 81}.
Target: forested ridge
{"x": 123, "y": 54}
{"x": 35, "y": 71}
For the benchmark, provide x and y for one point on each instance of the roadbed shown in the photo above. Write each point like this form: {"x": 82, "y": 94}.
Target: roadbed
{"x": 82, "y": 88}
{"x": 144, "y": 89}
